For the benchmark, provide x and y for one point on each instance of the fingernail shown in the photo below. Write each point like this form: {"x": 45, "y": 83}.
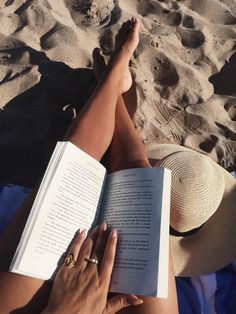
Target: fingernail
{"x": 103, "y": 226}
{"x": 134, "y": 301}
{"x": 83, "y": 233}
{"x": 113, "y": 233}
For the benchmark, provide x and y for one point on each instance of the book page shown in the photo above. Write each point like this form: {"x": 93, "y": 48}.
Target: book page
{"x": 70, "y": 202}
{"x": 133, "y": 204}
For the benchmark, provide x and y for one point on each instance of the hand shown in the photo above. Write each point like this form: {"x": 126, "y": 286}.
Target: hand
{"x": 83, "y": 287}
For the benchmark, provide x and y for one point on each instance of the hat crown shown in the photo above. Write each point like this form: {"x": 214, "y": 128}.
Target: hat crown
{"x": 196, "y": 191}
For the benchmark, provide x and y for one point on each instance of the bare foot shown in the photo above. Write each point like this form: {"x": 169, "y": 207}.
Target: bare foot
{"x": 127, "y": 40}
{"x": 99, "y": 63}
{"x": 130, "y": 97}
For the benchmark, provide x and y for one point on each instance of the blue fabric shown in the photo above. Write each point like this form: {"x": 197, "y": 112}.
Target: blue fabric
{"x": 210, "y": 294}
{"x": 225, "y": 296}
{"x": 11, "y": 196}
{"x": 187, "y": 297}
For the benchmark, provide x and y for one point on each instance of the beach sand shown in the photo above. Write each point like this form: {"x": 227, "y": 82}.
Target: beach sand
{"x": 185, "y": 47}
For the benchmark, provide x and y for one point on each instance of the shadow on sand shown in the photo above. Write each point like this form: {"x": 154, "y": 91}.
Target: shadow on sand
{"x": 32, "y": 122}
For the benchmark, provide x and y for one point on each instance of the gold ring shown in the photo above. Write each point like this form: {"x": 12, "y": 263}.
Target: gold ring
{"x": 70, "y": 260}
{"x": 91, "y": 260}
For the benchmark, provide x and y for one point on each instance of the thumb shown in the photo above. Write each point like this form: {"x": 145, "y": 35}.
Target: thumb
{"x": 120, "y": 301}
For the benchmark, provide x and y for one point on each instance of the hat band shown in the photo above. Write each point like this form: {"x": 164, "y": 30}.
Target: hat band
{"x": 176, "y": 233}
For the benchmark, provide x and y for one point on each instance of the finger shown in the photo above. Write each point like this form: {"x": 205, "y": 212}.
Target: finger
{"x": 74, "y": 250}
{"x": 108, "y": 258}
{"x": 77, "y": 243}
{"x": 86, "y": 249}
{"x": 121, "y": 301}
{"x": 100, "y": 245}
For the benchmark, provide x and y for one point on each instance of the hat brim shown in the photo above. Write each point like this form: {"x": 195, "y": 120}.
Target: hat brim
{"x": 213, "y": 245}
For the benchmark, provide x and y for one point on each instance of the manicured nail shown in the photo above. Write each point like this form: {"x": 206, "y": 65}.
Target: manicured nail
{"x": 83, "y": 233}
{"x": 134, "y": 300}
{"x": 113, "y": 233}
{"x": 103, "y": 226}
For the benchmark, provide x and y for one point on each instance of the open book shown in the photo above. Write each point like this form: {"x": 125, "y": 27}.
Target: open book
{"x": 76, "y": 193}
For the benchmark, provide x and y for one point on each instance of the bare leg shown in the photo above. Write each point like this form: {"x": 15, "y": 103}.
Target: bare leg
{"x": 92, "y": 131}
{"x": 96, "y": 122}
{"x": 156, "y": 305}
{"x": 127, "y": 151}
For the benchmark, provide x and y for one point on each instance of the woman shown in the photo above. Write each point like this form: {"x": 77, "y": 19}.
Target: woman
{"x": 75, "y": 289}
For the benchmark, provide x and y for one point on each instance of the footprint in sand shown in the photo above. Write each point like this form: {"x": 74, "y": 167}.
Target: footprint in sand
{"x": 164, "y": 71}
{"x": 226, "y": 154}
{"x": 214, "y": 11}
{"x": 209, "y": 144}
{"x": 91, "y": 13}
{"x": 156, "y": 10}
{"x": 188, "y": 22}
{"x": 37, "y": 16}
{"x": 9, "y": 42}
{"x": 9, "y": 23}
{"x": 145, "y": 7}
{"x": 191, "y": 38}
{"x": 173, "y": 18}
{"x": 228, "y": 133}
{"x": 57, "y": 36}
{"x": 230, "y": 107}
{"x": 7, "y": 3}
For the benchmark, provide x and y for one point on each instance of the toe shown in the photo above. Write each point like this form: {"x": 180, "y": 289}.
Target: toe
{"x": 99, "y": 63}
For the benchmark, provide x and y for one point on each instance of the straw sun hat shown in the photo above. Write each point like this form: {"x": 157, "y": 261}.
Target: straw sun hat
{"x": 203, "y": 210}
